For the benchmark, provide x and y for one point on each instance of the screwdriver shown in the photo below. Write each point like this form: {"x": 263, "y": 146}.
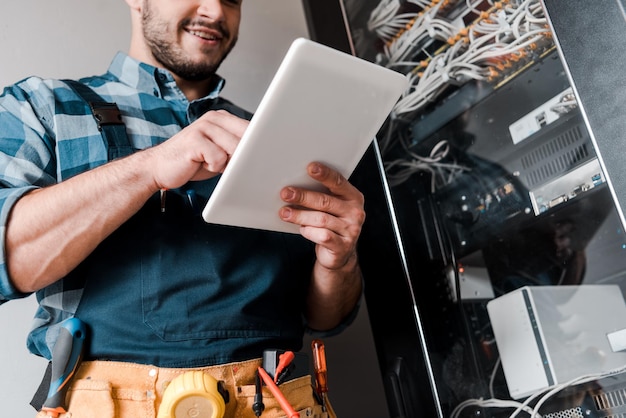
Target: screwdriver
{"x": 257, "y": 405}
{"x": 319, "y": 365}
{"x": 66, "y": 356}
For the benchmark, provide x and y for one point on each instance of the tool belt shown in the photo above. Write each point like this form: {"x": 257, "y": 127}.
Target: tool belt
{"x": 108, "y": 389}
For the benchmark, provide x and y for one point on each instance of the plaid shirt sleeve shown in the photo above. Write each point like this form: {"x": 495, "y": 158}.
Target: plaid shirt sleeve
{"x": 27, "y": 156}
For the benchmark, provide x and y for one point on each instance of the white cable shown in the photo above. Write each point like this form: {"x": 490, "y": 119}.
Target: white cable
{"x": 488, "y": 44}
{"x": 382, "y": 13}
{"x": 442, "y": 173}
{"x": 483, "y": 48}
{"x": 492, "y": 378}
{"x": 422, "y": 3}
{"x": 489, "y": 403}
{"x": 552, "y": 391}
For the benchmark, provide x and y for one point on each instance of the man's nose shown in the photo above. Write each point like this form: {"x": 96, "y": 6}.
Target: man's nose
{"x": 211, "y": 9}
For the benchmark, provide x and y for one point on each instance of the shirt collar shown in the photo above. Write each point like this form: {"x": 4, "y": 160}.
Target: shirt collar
{"x": 152, "y": 80}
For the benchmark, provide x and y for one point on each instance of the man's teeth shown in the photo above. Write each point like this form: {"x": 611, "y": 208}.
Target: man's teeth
{"x": 203, "y": 35}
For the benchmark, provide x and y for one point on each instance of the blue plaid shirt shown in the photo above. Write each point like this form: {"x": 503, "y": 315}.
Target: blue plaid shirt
{"x": 46, "y": 137}
{"x": 40, "y": 146}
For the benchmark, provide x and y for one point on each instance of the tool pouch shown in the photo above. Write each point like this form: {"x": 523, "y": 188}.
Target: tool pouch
{"x": 91, "y": 398}
{"x": 103, "y": 398}
{"x": 298, "y": 391}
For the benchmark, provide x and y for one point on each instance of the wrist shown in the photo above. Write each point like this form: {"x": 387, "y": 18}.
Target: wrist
{"x": 350, "y": 264}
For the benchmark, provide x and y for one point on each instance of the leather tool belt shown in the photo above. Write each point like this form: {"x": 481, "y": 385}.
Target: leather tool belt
{"x": 109, "y": 389}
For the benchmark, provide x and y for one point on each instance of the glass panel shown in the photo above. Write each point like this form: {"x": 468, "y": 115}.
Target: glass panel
{"x": 515, "y": 251}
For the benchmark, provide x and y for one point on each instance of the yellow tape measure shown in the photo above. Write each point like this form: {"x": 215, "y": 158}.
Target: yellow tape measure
{"x": 193, "y": 394}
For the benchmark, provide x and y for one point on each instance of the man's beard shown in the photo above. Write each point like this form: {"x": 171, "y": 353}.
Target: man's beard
{"x": 173, "y": 58}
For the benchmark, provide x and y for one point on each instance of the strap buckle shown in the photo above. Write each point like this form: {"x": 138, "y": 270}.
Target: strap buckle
{"x": 106, "y": 113}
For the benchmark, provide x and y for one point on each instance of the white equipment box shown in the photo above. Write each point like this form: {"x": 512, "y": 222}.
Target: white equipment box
{"x": 547, "y": 335}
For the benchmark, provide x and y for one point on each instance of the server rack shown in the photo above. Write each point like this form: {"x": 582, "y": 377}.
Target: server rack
{"x": 499, "y": 183}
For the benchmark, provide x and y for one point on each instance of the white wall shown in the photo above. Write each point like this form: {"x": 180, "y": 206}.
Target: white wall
{"x": 73, "y": 38}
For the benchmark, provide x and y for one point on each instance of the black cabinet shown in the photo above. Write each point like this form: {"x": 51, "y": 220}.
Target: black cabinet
{"x": 494, "y": 252}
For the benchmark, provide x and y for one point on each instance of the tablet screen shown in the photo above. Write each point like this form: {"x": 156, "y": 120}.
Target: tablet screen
{"x": 322, "y": 105}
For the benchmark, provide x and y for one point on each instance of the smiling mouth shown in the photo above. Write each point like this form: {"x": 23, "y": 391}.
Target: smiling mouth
{"x": 204, "y": 35}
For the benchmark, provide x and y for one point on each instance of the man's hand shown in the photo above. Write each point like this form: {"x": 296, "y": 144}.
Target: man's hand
{"x": 332, "y": 220}
{"x": 198, "y": 152}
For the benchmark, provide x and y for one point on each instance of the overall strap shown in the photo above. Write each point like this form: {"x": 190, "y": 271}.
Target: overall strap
{"x": 108, "y": 118}
{"x": 110, "y": 124}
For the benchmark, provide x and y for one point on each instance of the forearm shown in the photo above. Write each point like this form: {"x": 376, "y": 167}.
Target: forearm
{"x": 51, "y": 230}
{"x": 333, "y": 294}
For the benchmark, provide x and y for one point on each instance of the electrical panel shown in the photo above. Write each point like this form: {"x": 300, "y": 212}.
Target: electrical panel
{"x": 490, "y": 181}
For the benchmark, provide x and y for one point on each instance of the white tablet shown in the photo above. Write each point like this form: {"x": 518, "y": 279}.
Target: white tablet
{"x": 322, "y": 105}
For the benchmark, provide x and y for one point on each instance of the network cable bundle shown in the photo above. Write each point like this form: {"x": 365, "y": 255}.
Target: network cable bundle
{"x": 442, "y": 46}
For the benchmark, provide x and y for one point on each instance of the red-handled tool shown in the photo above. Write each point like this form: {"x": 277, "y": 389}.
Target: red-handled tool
{"x": 319, "y": 365}
{"x": 66, "y": 356}
{"x": 321, "y": 376}
{"x": 284, "y": 403}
